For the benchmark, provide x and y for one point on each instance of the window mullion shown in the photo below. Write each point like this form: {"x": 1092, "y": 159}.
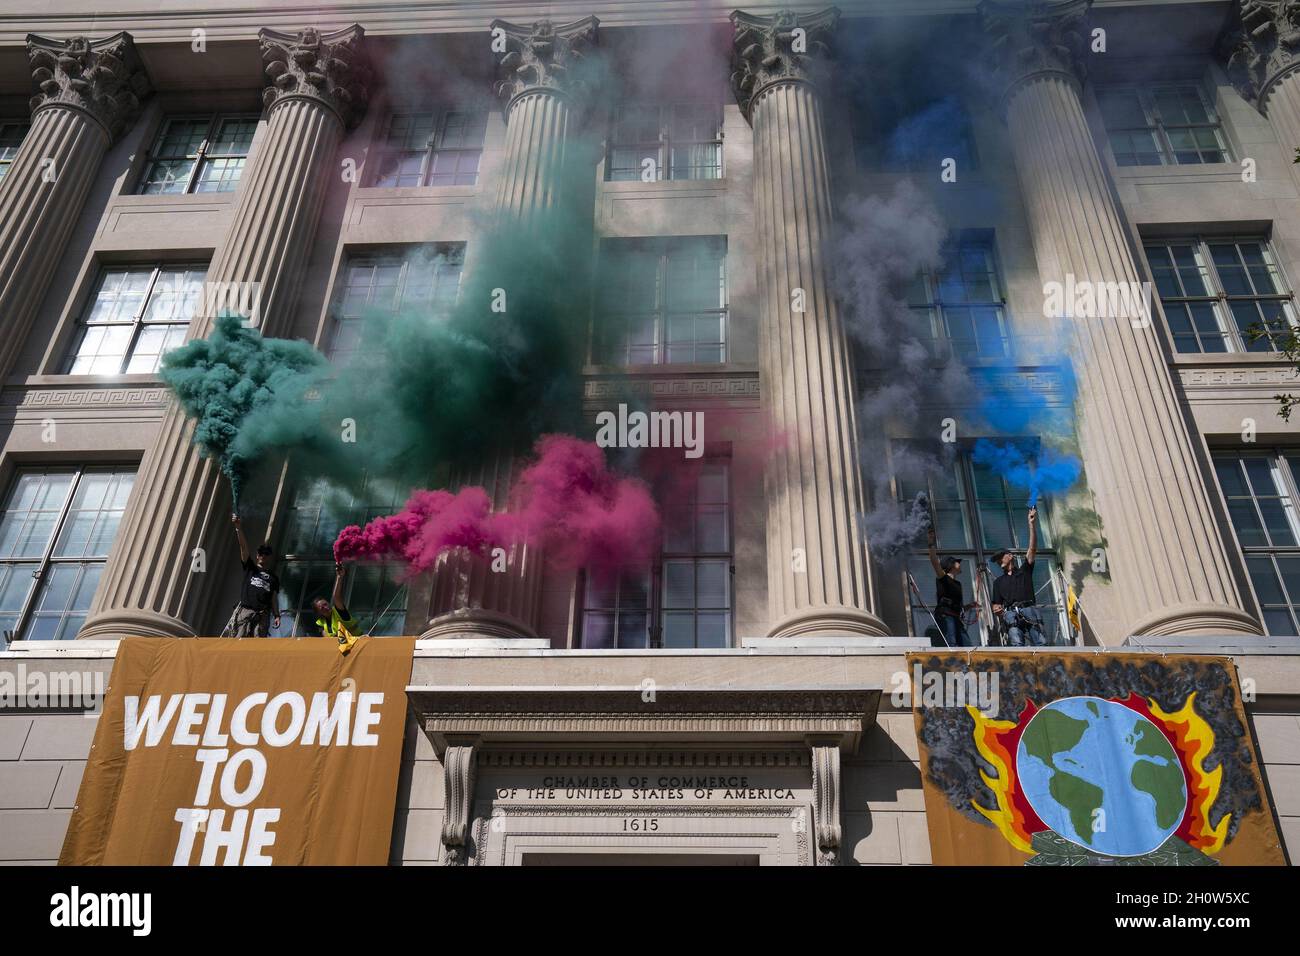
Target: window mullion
{"x": 1222, "y": 312}
{"x": 1157, "y": 122}
{"x": 201, "y": 155}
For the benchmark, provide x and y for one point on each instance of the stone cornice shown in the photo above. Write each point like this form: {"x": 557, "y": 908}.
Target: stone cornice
{"x": 549, "y": 714}
{"x": 785, "y": 47}
{"x": 102, "y": 78}
{"x": 1261, "y": 45}
{"x": 1029, "y": 38}
{"x": 328, "y": 68}
{"x": 543, "y": 56}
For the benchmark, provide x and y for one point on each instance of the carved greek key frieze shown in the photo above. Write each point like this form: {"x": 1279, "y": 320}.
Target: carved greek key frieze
{"x": 737, "y": 387}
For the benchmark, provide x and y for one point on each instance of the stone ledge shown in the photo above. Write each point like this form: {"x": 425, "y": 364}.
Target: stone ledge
{"x": 839, "y": 715}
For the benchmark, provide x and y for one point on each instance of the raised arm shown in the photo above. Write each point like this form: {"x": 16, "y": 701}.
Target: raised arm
{"x": 1033, "y": 535}
{"x": 340, "y": 574}
{"x": 239, "y": 536}
{"x": 931, "y": 541}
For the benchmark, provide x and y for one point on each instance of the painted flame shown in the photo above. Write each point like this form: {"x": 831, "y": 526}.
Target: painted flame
{"x": 1193, "y": 740}
{"x": 1007, "y": 816}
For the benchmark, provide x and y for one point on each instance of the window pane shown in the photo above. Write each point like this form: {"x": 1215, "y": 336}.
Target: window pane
{"x": 234, "y": 137}
{"x": 711, "y": 629}
{"x": 1121, "y": 108}
{"x": 713, "y": 584}
{"x": 1267, "y": 586}
{"x": 679, "y": 629}
{"x": 15, "y": 583}
{"x": 633, "y": 630}
{"x": 679, "y": 584}
{"x": 32, "y": 513}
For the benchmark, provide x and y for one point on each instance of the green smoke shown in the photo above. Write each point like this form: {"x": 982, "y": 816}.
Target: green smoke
{"x": 233, "y": 380}
{"x": 429, "y": 390}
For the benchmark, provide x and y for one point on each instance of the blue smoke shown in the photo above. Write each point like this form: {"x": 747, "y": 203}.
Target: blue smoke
{"x": 1028, "y": 416}
{"x": 1025, "y": 465}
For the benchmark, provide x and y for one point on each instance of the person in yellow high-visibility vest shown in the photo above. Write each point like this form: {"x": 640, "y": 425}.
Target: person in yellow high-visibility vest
{"x": 333, "y": 617}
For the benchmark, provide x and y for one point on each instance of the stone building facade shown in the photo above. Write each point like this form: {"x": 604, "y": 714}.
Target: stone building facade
{"x": 316, "y": 168}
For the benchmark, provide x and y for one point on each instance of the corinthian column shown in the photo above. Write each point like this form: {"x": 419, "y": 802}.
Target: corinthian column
{"x": 818, "y": 579}
{"x": 541, "y": 83}
{"x": 1260, "y": 51}
{"x": 539, "y": 77}
{"x": 1168, "y": 560}
{"x": 89, "y": 94}
{"x": 152, "y": 586}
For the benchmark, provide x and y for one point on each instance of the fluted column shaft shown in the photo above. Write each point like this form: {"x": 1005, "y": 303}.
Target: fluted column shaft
{"x": 88, "y": 94}
{"x": 532, "y": 180}
{"x": 469, "y": 597}
{"x": 818, "y": 577}
{"x": 1167, "y": 557}
{"x": 40, "y": 200}
{"x": 180, "y": 501}
{"x": 471, "y": 594}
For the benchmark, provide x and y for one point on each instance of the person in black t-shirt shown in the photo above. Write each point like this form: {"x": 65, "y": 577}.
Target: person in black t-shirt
{"x": 1014, "y": 600}
{"x": 948, "y": 604}
{"x": 258, "y": 609}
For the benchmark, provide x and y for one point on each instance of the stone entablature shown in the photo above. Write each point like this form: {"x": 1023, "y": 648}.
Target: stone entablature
{"x": 551, "y": 714}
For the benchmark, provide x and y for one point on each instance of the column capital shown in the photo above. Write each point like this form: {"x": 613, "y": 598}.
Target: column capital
{"x": 326, "y": 67}
{"x": 784, "y": 47}
{"x": 542, "y": 56}
{"x": 102, "y": 78}
{"x": 1260, "y": 45}
{"x": 1028, "y": 38}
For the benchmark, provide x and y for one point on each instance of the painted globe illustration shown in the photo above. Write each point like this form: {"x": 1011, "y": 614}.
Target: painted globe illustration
{"x": 1101, "y": 775}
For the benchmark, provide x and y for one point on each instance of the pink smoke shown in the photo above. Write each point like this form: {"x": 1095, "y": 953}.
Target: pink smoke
{"x": 567, "y": 502}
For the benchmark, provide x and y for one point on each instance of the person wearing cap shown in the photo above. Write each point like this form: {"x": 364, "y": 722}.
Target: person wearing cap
{"x": 1014, "y": 599}
{"x": 258, "y": 609}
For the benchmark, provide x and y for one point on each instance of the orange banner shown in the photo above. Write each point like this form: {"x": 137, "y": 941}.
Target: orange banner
{"x": 1044, "y": 759}
{"x": 244, "y": 752}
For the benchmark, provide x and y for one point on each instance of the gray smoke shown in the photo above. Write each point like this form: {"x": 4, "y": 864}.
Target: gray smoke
{"x": 883, "y": 243}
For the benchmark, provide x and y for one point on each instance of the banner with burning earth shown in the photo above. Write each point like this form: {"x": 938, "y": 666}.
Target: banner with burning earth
{"x": 1089, "y": 759}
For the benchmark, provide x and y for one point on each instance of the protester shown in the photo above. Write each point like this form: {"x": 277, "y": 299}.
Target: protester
{"x": 1014, "y": 599}
{"x": 258, "y": 609}
{"x": 948, "y": 604}
{"x": 333, "y": 617}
